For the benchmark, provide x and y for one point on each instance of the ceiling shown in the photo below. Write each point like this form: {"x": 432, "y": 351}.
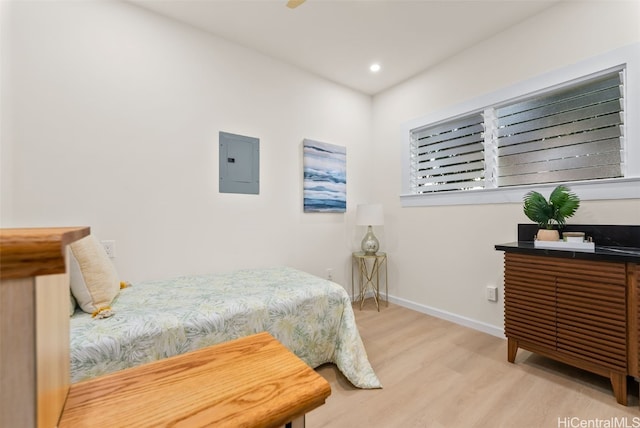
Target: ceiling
{"x": 340, "y": 39}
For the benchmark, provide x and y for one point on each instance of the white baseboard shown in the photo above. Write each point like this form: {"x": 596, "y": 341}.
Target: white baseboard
{"x": 438, "y": 313}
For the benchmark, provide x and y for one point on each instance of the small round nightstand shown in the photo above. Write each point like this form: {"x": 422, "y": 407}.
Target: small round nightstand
{"x": 368, "y": 268}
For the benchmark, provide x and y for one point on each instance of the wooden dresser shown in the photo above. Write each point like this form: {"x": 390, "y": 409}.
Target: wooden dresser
{"x": 580, "y": 308}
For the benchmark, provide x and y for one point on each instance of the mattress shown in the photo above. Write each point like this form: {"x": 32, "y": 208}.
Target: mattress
{"x": 156, "y": 319}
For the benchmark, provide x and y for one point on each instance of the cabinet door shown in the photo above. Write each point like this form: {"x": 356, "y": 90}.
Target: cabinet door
{"x": 633, "y": 303}
{"x": 591, "y": 317}
{"x": 530, "y": 300}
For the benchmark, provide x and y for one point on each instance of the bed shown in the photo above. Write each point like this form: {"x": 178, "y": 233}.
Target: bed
{"x": 156, "y": 319}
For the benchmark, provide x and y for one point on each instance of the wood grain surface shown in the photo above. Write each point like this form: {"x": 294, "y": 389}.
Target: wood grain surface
{"x": 250, "y": 382}
{"x": 571, "y": 310}
{"x": 35, "y": 251}
{"x": 34, "y": 325}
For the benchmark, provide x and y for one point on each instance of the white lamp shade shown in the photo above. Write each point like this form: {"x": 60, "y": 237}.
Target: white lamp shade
{"x": 369, "y": 215}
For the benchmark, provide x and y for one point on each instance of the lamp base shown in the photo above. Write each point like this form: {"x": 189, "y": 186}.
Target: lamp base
{"x": 370, "y": 244}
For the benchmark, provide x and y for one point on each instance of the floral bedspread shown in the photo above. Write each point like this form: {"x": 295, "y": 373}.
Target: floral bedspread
{"x": 311, "y": 316}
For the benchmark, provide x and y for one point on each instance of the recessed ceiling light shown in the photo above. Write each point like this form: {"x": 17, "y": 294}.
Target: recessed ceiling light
{"x": 374, "y": 68}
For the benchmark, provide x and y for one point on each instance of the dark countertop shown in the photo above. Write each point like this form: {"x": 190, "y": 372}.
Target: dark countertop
{"x": 616, "y": 243}
{"x": 613, "y": 254}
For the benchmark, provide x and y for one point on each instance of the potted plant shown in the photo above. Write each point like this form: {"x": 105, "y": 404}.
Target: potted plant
{"x": 561, "y": 205}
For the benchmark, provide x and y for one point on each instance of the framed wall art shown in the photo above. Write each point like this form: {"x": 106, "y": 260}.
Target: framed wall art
{"x": 325, "y": 177}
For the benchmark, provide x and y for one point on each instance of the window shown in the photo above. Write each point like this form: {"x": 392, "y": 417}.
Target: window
{"x": 448, "y": 156}
{"x": 570, "y": 135}
{"x": 571, "y": 131}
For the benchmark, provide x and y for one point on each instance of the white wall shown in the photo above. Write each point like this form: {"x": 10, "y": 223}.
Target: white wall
{"x": 442, "y": 258}
{"x": 115, "y": 114}
{"x": 5, "y": 113}
{"x": 110, "y": 118}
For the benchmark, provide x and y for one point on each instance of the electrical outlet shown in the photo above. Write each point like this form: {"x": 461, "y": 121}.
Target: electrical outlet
{"x": 330, "y": 274}
{"x": 109, "y": 248}
{"x": 492, "y": 293}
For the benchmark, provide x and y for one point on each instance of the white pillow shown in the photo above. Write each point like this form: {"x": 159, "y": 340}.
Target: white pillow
{"x": 94, "y": 280}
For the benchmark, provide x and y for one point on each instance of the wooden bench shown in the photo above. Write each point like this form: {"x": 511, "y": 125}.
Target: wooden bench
{"x": 249, "y": 382}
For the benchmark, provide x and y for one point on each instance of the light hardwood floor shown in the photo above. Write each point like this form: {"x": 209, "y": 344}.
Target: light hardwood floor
{"x": 439, "y": 374}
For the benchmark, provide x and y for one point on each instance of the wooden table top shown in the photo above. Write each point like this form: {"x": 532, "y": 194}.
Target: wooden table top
{"x": 35, "y": 251}
{"x": 250, "y": 382}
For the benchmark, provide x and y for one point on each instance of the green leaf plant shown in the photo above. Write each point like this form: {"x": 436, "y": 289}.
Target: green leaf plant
{"x": 561, "y": 205}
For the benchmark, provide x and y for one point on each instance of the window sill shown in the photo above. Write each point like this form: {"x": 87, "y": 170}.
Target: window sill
{"x": 620, "y": 188}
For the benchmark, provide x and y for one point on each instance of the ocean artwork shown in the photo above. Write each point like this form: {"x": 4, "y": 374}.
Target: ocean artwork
{"x": 325, "y": 177}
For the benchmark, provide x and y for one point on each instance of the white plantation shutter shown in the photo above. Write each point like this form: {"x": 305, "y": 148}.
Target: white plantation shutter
{"x": 574, "y": 133}
{"x": 448, "y": 156}
{"x": 571, "y": 135}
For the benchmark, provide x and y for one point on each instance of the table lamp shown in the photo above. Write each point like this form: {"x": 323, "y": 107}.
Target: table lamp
{"x": 369, "y": 215}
